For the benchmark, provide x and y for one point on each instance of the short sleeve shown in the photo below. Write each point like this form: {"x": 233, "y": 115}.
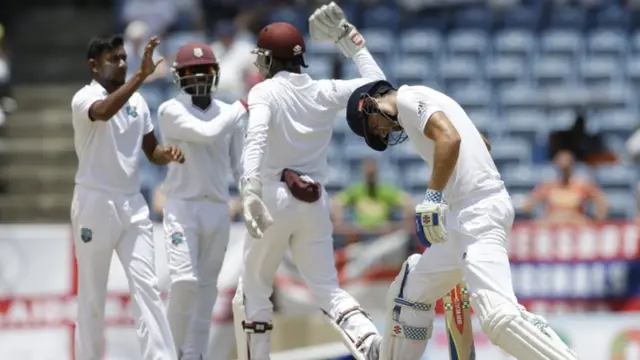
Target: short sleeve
{"x": 415, "y": 108}
{"x": 336, "y": 93}
{"x": 82, "y": 101}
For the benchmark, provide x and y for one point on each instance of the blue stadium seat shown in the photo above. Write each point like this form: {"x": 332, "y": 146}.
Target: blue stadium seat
{"x": 338, "y": 177}
{"x": 524, "y": 177}
{"x": 479, "y": 18}
{"x": 456, "y": 72}
{"x": 356, "y": 150}
{"x": 561, "y": 118}
{"x": 519, "y": 97}
{"x": 404, "y": 153}
{"x": 514, "y": 42}
{"x": 350, "y": 70}
{"x": 484, "y": 120}
{"x": 421, "y": 42}
{"x": 467, "y": 43}
{"x": 340, "y": 123}
{"x": 633, "y": 71}
{"x": 552, "y": 71}
{"x": 526, "y": 123}
{"x": 617, "y": 122}
{"x": 613, "y": 17}
{"x": 473, "y": 98}
{"x": 320, "y": 48}
{"x": 616, "y": 177}
{"x": 522, "y": 17}
{"x": 506, "y": 71}
{"x": 568, "y": 17}
{"x": 296, "y": 17}
{"x": 380, "y": 42}
{"x": 411, "y": 70}
{"x": 607, "y": 42}
{"x": 617, "y": 96}
{"x": 561, "y": 42}
{"x": 320, "y": 67}
{"x": 565, "y": 97}
{"x": 173, "y": 41}
{"x": 635, "y": 42}
{"x": 510, "y": 150}
{"x": 381, "y": 16}
{"x": 619, "y": 205}
{"x": 415, "y": 176}
{"x": 600, "y": 71}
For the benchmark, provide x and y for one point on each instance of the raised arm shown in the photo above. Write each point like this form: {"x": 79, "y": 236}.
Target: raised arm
{"x": 329, "y": 23}
{"x": 176, "y": 123}
{"x": 105, "y": 108}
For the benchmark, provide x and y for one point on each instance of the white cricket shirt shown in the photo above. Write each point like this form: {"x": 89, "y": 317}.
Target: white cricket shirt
{"x": 211, "y": 141}
{"x": 109, "y": 151}
{"x": 475, "y": 170}
{"x": 291, "y": 120}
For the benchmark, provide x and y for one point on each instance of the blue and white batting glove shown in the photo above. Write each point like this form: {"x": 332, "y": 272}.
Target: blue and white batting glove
{"x": 430, "y": 218}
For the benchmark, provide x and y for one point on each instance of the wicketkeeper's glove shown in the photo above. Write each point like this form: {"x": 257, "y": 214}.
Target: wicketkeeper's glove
{"x": 430, "y": 219}
{"x": 329, "y": 23}
{"x": 256, "y": 215}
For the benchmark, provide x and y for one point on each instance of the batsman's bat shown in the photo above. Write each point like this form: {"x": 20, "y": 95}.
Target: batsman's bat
{"x": 457, "y": 310}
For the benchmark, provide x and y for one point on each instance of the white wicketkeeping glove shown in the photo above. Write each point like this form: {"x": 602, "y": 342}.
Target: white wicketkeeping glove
{"x": 430, "y": 219}
{"x": 256, "y": 215}
{"x": 329, "y": 23}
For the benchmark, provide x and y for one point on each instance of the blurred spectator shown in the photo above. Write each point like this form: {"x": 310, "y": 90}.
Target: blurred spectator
{"x": 373, "y": 203}
{"x": 136, "y": 36}
{"x": 587, "y": 148}
{"x": 233, "y": 52}
{"x": 159, "y": 15}
{"x": 7, "y": 102}
{"x": 565, "y": 198}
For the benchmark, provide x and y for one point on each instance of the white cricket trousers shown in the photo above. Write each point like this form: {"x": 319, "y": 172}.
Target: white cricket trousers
{"x": 196, "y": 233}
{"x": 305, "y": 229}
{"x": 103, "y": 222}
{"x": 476, "y": 251}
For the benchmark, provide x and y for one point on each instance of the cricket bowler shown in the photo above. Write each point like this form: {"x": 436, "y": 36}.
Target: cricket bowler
{"x": 291, "y": 119}
{"x": 465, "y": 218}
{"x": 112, "y": 124}
{"x": 196, "y": 213}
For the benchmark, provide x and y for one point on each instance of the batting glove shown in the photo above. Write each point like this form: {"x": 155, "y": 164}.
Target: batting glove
{"x": 430, "y": 216}
{"x": 257, "y": 218}
{"x": 329, "y": 23}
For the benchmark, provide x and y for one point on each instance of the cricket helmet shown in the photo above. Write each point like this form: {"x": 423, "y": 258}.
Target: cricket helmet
{"x": 195, "y": 69}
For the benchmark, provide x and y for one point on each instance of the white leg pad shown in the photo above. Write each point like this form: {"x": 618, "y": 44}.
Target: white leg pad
{"x": 519, "y": 333}
{"x": 249, "y": 348}
{"x": 409, "y": 324}
{"x": 357, "y": 330}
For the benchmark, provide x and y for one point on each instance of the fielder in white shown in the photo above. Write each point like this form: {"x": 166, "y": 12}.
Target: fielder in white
{"x": 466, "y": 218}
{"x": 111, "y": 124}
{"x": 291, "y": 118}
{"x": 196, "y": 212}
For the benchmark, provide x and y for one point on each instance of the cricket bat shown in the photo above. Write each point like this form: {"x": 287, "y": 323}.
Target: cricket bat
{"x": 457, "y": 310}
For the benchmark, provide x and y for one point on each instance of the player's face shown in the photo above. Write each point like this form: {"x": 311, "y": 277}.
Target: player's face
{"x": 112, "y": 67}
{"x": 379, "y": 125}
{"x": 198, "y": 80}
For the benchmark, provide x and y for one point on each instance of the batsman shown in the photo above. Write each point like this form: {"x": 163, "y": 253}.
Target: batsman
{"x": 466, "y": 218}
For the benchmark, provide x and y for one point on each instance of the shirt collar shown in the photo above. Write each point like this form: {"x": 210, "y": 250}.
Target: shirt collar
{"x": 94, "y": 83}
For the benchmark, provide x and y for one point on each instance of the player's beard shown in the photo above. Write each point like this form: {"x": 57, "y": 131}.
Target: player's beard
{"x": 115, "y": 78}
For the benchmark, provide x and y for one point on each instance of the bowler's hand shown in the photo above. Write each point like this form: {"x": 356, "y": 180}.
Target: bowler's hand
{"x": 148, "y": 66}
{"x": 173, "y": 154}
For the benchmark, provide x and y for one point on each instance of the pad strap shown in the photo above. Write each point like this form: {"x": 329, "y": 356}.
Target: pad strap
{"x": 411, "y": 332}
{"x": 256, "y": 327}
{"x": 401, "y": 329}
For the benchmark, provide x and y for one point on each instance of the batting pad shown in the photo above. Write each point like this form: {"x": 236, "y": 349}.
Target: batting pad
{"x": 505, "y": 326}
